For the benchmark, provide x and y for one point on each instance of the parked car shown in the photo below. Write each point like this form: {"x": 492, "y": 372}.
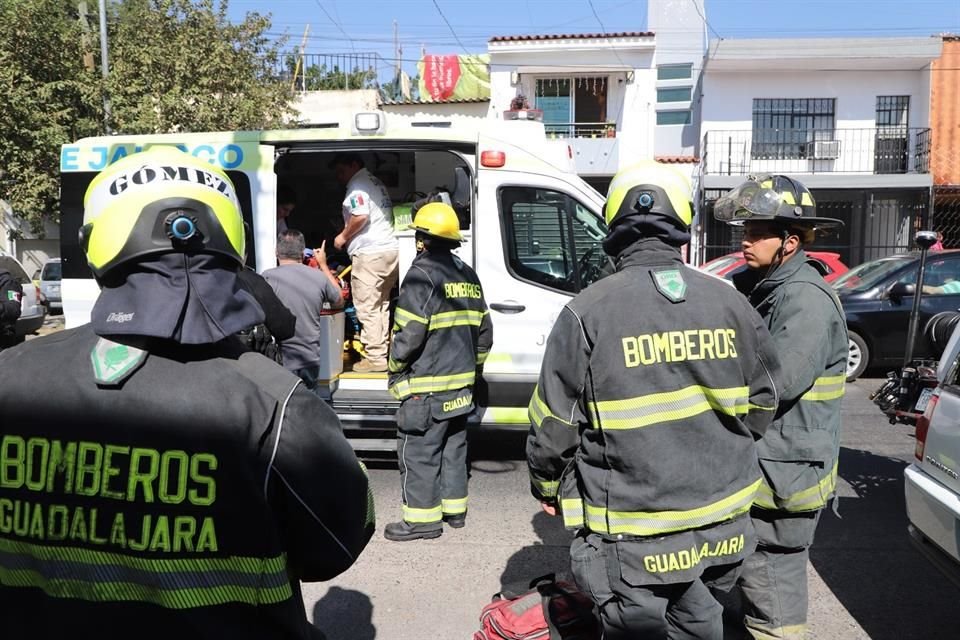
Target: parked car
{"x": 32, "y": 312}
{"x": 725, "y": 266}
{"x": 877, "y": 298}
{"x": 50, "y": 284}
{"x": 932, "y": 481}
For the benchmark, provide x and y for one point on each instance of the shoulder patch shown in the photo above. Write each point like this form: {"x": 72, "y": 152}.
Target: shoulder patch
{"x": 114, "y": 362}
{"x": 670, "y": 284}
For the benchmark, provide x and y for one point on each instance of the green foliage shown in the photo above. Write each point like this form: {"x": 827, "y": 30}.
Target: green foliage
{"x": 47, "y": 97}
{"x": 318, "y": 77}
{"x": 175, "y": 66}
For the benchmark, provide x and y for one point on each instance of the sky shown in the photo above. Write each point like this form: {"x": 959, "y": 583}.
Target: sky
{"x": 458, "y": 26}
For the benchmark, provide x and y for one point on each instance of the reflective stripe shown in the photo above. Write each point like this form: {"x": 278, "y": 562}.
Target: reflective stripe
{"x": 539, "y": 411}
{"x": 572, "y": 510}
{"x": 826, "y": 388}
{"x": 669, "y": 406}
{"x": 759, "y": 631}
{"x": 506, "y": 415}
{"x": 412, "y": 514}
{"x": 401, "y": 317}
{"x": 482, "y": 357}
{"x": 809, "y": 499}
{"x": 396, "y": 366}
{"x": 181, "y": 583}
{"x": 653, "y": 523}
{"x": 454, "y": 507}
{"x": 432, "y": 384}
{"x": 547, "y": 488}
{"x": 465, "y": 318}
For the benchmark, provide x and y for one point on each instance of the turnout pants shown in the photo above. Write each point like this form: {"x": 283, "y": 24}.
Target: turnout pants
{"x": 774, "y": 578}
{"x": 679, "y": 611}
{"x": 433, "y": 463}
{"x": 373, "y": 278}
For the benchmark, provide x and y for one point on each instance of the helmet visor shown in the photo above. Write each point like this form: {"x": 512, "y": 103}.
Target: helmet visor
{"x": 749, "y": 200}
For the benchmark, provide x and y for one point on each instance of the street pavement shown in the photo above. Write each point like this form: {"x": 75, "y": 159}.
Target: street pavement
{"x": 866, "y": 581}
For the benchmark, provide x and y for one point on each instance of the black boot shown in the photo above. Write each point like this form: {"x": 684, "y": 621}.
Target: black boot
{"x": 456, "y": 520}
{"x": 403, "y": 531}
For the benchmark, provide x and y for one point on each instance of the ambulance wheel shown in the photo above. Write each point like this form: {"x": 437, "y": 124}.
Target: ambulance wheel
{"x": 858, "y": 356}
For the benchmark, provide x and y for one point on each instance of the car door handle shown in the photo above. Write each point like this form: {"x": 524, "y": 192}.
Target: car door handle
{"x": 507, "y": 308}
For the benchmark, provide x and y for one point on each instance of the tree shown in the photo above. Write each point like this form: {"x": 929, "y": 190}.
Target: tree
{"x": 47, "y": 98}
{"x": 180, "y": 65}
{"x": 175, "y": 65}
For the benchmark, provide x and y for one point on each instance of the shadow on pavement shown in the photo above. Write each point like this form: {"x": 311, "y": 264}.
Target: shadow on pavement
{"x": 550, "y": 555}
{"x": 867, "y": 562}
{"x": 344, "y": 614}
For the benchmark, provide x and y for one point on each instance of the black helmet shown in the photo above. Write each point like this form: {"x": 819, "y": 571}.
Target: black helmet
{"x": 775, "y": 198}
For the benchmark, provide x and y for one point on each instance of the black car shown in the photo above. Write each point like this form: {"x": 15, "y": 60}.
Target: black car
{"x": 877, "y": 299}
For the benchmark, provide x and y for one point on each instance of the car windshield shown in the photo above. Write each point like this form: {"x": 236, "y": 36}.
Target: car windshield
{"x": 720, "y": 264}
{"x": 51, "y": 271}
{"x": 867, "y": 275}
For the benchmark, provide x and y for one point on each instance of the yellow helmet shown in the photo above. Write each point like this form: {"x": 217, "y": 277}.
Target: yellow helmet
{"x": 439, "y": 220}
{"x": 161, "y": 200}
{"x": 649, "y": 187}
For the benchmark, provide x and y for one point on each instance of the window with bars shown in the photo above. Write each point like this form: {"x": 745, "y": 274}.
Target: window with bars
{"x": 893, "y": 112}
{"x": 786, "y": 128}
{"x": 573, "y": 107}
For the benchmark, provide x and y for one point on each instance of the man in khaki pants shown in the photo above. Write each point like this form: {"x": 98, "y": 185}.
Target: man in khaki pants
{"x": 368, "y": 237}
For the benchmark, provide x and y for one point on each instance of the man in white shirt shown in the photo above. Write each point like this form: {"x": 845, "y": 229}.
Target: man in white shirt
{"x": 368, "y": 239}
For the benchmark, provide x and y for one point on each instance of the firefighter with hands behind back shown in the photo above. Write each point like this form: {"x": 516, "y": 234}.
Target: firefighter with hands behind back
{"x": 177, "y": 485}
{"x": 798, "y": 455}
{"x": 655, "y": 383}
{"x": 442, "y": 334}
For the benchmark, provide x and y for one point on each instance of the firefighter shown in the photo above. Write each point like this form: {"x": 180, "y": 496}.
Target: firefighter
{"x": 176, "y": 485}
{"x": 10, "y": 295}
{"x": 656, "y": 382}
{"x": 442, "y": 334}
{"x": 798, "y": 456}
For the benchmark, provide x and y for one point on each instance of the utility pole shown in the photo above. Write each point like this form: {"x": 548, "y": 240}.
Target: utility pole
{"x": 105, "y": 67}
{"x": 85, "y": 36}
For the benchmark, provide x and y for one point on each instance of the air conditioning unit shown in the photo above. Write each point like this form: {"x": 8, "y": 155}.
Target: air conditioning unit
{"x": 826, "y": 149}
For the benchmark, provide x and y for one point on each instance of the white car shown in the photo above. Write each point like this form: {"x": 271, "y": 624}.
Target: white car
{"x": 32, "y": 312}
{"x": 932, "y": 481}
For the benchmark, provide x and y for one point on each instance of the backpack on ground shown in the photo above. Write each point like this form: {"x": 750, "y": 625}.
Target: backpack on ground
{"x": 550, "y": 610}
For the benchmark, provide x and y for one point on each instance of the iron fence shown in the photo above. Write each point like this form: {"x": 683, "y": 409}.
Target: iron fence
{"x": 878, "y": 150}
{"x": 581, "y": 129}
{"x": 330, "y": 71}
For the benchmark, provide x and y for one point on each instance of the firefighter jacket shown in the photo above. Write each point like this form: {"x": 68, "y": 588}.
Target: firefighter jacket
{"x": 442, "y": 330}
{"x": 655, "y": 383}
{"x": 798, "y": 454}
{"x": 169, "y": 492}
{"x": 10, "y": 294}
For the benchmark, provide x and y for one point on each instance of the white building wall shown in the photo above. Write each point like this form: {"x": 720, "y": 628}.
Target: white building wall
{"x": 454, "y": 112}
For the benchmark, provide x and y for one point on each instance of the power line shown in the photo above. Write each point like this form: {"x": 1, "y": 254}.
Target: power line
{"x": 455, "y": 36}
{"x": 337, "y": 24}
{"x": 696, "y": 5}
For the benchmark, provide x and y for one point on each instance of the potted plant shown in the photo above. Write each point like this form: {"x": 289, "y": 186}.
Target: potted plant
{"x": 520, "y": 110}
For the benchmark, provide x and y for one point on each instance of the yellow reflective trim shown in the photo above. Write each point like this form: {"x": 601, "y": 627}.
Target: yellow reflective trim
{"x": 759, "y": 631}
{"x": 413, "y": 514}
{"x": 805, "y": 199}
{"x": 809, "y": 499}
{"x": 539, "y": 411}
{"x": 826, "y": 388}
{"x": 500, "y": 358}
{"x": 432, "y": 384}
{"x": 395, "y": 366}
{"x": 462, "y": 318}
{"x": 509, "y": 415}
{"x": 572, "y": 510}
{"x": 654, "y": 408}
{"x": 652, "y": 523}
{"x": 454, "y": 506}
{"x": 401, "y": 317}
{"x": 547, "y": 488}
{"x": 482, "y": 357}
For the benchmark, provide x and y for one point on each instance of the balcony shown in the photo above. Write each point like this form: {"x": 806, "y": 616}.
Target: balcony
{"x": 875, "y": 151}
{"x": 594, "y": 144}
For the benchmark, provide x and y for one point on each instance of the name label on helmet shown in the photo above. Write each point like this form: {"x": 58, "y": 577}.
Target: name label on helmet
{"x": 149, "y": 174}
{"x": 463, "y": 290}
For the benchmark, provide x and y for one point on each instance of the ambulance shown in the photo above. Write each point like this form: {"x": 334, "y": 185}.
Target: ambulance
{"x": 532, "y": 230}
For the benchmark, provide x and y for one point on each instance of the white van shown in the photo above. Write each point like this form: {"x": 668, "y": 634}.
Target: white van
{"x": 533, "y": 231}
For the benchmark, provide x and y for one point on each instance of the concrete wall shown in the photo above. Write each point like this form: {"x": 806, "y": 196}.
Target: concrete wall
{"x": 455, "y": 112}
{"x": 318, "y": 107}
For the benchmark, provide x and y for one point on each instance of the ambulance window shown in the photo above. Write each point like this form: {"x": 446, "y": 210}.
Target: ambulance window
{"x": 551, "y": 239}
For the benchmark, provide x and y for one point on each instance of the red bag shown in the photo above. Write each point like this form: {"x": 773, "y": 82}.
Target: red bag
{"x": 551, "y": 609}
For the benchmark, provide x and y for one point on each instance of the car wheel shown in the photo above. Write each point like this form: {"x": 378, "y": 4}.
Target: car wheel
{"x": 857, "y": 357}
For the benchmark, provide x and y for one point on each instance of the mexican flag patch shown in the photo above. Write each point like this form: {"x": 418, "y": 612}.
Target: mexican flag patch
{"x": 13, "y": 295}
{"x": 356, "y": 201}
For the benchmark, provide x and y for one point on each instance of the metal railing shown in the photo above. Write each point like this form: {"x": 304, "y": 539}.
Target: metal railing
{"x": 581, "y": 129}
{"x": 330, "y": 71}
{"x": 879, "y": 150}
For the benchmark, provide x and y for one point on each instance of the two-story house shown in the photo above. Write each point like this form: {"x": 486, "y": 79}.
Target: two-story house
{"x": 848, "y": 117}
